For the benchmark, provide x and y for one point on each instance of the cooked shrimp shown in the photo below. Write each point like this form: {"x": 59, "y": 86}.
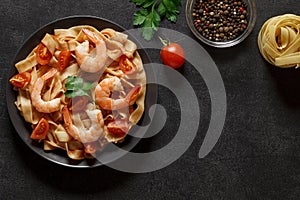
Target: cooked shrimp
{"x": 36, "y": 98}
{"x": 77, "y": 130}
{"x": 94, "y": 60}
{"x": 113, "y": 84}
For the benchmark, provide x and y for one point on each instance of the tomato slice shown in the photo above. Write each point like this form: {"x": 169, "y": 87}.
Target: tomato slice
{"x": 64, "y": 58}
{"x": 43, "y": 55}
{"x": 118, "y": 128}
{"x": 133, "y": 94}
{"x": 40, "y": 130}
{"x": 20, "y": 80}
{"x": 126, "y": 65}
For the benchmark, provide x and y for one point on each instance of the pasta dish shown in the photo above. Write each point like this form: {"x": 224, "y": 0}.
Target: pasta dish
{"x": 81, "y": 88}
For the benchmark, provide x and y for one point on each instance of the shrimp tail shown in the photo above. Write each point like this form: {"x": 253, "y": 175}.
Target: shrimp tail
{"x": 49, "y": 74}
{"x": 68, "y": 123}
{"x": 66, "y": 116}
{"x": 91, "y": 35}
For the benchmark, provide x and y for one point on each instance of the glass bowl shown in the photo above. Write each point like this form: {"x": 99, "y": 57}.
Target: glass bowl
{"x": 251, "y": 19}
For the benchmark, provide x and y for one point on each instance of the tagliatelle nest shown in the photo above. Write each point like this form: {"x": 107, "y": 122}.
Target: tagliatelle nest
{"x": 80, "y": 125}
{"x": 279, "y": 40}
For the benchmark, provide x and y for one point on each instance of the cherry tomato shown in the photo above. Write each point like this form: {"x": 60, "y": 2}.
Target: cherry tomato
{"x": 43, "y": 55}
{"x": 126, "y": 65}
{"x": 64, "y": 58}
{"x": 40, "y": 130}
{"x": 20, "y": 80}
{"x": 118, "y": 128}
{"x": 172, "y": 55}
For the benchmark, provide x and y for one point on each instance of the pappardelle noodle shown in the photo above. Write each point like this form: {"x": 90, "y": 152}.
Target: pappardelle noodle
{"x": 80, "y": 89}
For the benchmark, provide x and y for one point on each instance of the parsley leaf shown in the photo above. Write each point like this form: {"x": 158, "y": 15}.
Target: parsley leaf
{"x": 148, "y": 18}
{"x": 144, "y": 3}
{"x": 139, "y": 17}
{"x": 149, "y": 21}
{"x": 77, "y": 87}
{"x": 169, "y": 9}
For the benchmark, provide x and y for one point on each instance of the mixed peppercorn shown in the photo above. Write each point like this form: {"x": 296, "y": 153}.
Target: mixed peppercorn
{"x": 220, "y": 20}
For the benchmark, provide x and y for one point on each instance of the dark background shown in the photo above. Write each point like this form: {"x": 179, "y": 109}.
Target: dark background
{"x": 257, "y": 156}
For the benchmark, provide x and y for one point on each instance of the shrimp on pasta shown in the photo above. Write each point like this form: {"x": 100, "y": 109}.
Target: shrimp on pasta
{"x": 94, "y": 60}
{"x": 113, "y": 85}
{"x": 36, "y": 99}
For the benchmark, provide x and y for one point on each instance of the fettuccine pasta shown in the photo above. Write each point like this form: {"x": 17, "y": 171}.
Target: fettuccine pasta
{"x": 81, "y": 119}
{"x": 279, "y": 41}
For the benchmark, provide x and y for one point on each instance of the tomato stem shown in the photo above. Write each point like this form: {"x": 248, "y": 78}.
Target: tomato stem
{"x": 165, "y": 42}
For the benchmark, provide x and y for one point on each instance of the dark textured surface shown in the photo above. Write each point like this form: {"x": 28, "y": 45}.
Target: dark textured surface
{"x": 257, "y": 156}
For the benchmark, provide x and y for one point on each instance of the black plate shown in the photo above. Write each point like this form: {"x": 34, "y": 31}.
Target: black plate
{"x": 23, "y": 128}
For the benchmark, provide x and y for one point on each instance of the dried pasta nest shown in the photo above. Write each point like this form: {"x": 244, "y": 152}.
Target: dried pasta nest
{"x": 279, "y": 40}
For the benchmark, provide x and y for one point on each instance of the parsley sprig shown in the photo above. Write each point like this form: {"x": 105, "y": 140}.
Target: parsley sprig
{"x": 77, "y": 87}
{"x": 152, "y": 12}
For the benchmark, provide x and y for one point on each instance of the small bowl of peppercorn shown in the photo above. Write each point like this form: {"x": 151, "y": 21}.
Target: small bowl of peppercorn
{"x": 221, "y": 23}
